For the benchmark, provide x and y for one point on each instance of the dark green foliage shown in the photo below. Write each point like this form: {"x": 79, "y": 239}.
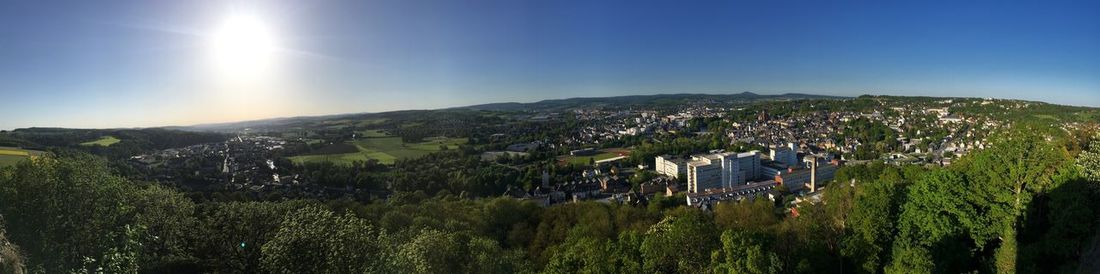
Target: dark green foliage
{"x": 133, "y": 141}
{"x": 315, "y": 240}
{"x": 874, "y": 138}
{"x": 70, "y": 214}
{"x": 232, "y": 234}
{"x": 454, "y": 171}
{"x": 361, "y": 175}
{"x": 10, "y": 259}
{"x": 1025, "y": 206}
{"x": 869, "y": 239}
{"x": 168, "y": 218}
{"x": 757, "y": 214}
{"x": 681, "y": 243}
{"x": 933, "y": 222}
{"x": 681, "y": 146}
{"x": 744, "y": 252}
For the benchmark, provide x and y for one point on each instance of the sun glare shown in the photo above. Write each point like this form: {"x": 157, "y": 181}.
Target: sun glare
{"x": 242, "y": 44}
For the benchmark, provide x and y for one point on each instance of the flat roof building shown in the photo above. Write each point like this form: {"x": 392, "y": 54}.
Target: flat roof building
{"x": 787, "y": 155}
{"x": 749, "y": 167}
{"x": 748, "y": 191}
{"x": 670, "y": 166}
{"x": 722, "y": 170}
{"x": 806, "y": 178}
{"x": 711, "y": 171}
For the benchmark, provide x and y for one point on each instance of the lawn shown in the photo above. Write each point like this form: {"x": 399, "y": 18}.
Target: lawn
{"x": 602, "y": 154}
{"x": 102, "y": 141}
{"x": 384, "y": 149}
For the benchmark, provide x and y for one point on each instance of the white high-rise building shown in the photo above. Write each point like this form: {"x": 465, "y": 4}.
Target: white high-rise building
{"x": 748, "y": 166}
{"x": 670, "y": 166}
{"x": 785, "y": 155}
{"x": 714, "y": 171}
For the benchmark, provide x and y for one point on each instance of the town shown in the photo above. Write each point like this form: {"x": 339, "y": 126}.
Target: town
{"x": 702, "y": 151}
{"x": 653, "y": 136}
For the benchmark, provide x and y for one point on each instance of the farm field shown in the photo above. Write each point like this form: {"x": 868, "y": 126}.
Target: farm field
{"x": 11, "y": 156}
{"x": 600, "y": 155}
{"x": 102, "y": 141}
{"x": 373, "y": 133}
{"x": 386, "y": 150}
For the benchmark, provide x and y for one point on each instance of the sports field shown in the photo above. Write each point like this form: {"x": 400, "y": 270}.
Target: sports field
{"x": 384, "y": 149}
{"x": 102, "y": 141}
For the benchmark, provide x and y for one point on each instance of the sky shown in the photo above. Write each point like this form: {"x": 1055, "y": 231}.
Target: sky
{"x": 106, "y": 63}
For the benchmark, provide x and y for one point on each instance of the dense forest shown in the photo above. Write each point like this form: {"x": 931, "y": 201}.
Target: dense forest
{"x": 1028, "y": 204}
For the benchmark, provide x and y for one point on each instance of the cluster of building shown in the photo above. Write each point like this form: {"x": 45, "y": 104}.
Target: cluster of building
{"x": 714, "y": 170}
{"x": 599, "y": 183}
{"x": 722, "y": 176}
{"x": 240, "y": 163}
{"x": 602, "y": 125}
{"x": 806, "y": 130}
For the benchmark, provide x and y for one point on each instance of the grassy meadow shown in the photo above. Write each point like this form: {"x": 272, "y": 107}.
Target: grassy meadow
{"x": 11, "y": 156}
{"x": 102, "y": 141}
{"x": 384, "y": 148}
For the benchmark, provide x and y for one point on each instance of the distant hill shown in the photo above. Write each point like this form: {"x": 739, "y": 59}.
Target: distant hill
{"x": 656, "y": 99}
{"x": 271, "y": 122}
{"x": 554, "y": 104}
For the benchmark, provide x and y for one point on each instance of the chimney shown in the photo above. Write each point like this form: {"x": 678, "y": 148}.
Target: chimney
{"x": 813, "y": 175}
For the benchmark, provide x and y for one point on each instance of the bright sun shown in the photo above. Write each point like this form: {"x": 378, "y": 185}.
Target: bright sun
{"x": 242, "y": 44}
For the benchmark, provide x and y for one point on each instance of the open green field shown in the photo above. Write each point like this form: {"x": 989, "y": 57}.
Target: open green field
{"x": 372, "y": 121}
{"x": 11, "y": 156}
{"x": 372, "y": 133}
{"x": 1045, "y": 116}
{"x": 11, "y": 160}
{"x": 386, "y": 150}
{"x": 600, "y": 155}
{"x": 345, "y": 123}
{"x": 102, "y": 141}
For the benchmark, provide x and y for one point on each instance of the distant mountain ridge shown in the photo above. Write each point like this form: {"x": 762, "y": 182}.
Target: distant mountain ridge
{"x": 642, "y": 99}
{"x": 549, "y": 104}
{"x": 264, "y": 122}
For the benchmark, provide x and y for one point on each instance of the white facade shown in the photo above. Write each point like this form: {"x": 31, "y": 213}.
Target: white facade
{"x": 670, "y": 166}
{"x": 748, "y": 166}
{"x": 784, "y": 155}
{"x": 713, "y": 171}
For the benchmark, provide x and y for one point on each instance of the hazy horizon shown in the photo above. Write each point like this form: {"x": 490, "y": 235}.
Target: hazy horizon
{"x": 121, "y": 64}
{"x": 521, "y": 102}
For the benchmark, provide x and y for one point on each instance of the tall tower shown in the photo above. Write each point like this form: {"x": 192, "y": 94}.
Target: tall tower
{"x": 813, "y": 175}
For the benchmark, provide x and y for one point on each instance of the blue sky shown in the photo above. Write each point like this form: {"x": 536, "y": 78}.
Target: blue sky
{"x": 146, "y": 63}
